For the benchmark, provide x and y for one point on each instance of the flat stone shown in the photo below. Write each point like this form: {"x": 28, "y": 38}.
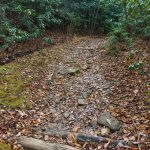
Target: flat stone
{"x": 106, "y": 119}
{"x": 69, "y": 70}
{"x": 81, "y": 102}
{"x": 72, "y": 70}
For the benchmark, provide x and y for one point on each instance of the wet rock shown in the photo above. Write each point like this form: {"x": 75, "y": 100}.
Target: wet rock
{"x": 106, "y": 119}
{"x": 81, "y": 102}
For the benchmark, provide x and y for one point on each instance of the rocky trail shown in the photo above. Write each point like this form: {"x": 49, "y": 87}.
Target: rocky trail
{"x": 78, "y": 89}
{"x": 73, "y": 91}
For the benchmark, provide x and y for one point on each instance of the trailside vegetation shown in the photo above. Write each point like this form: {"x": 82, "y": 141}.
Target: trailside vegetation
{"x": 22, "y": 20}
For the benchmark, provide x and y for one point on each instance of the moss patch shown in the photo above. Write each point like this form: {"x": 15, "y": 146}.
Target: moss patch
{"x": 13, "y": 83}
{"x": 12, "y": 86}
{"x": 4, "y": 146}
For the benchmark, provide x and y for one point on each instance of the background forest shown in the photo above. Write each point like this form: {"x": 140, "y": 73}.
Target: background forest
{"x": 25, "y": 19}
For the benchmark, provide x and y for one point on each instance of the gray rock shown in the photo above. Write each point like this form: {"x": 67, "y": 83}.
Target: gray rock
{"x": 62, "y": 71}
{"x": 72, "y": 70}
{"x": 87, "y": 93}
{"x": 46, "y": 137}
{"x": 106, "y": 119}
{"x": 53, "y": 110}
{"x": 66, "y": 114}
{"x": 81, "y": 102}
{"x": 71, "y": 118}
{"x": 69, "y": 70}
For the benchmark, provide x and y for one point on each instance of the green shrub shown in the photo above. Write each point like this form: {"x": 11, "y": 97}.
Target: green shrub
{"x": 118, "y": 40}
{"x": 136, "y": 17}
{"x": 25, "y": 19}
{"x": 48, "y": 40}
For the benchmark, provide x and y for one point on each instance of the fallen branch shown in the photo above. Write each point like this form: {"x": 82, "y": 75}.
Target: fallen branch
{"x": 29, "y": 143}
{"x": 89, "y": 138}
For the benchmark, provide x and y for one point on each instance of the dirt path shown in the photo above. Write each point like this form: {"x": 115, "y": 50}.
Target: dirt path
{"x": 77, "y": 100}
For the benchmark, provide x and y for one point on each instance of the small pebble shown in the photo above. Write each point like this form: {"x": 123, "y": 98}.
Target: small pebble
{"x": 81, "y": 102}
{"x": 105, "y": 131}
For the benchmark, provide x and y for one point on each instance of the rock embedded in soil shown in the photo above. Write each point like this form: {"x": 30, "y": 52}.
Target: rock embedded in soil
{"x": 53, "y": 110}
{"x": 66, "y": 114}
{"x": 71, "y": 118}
{"x": 105, "y": 131}
{"x": 106, "y": 119}
{"x": 81, "y": 102}
{"x": 85, "y": 94}
{"x": 72, "y": 70}
{"x": 46, "y": 137}
{"x": 69, "y": 70}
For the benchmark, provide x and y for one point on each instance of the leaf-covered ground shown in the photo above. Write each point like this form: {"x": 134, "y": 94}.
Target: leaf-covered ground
{"x": 65, "y": 100}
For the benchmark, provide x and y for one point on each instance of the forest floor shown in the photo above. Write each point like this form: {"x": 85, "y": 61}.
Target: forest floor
{"x": 70, "y": 84}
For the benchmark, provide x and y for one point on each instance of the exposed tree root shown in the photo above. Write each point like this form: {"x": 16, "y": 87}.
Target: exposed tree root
{"x": 82, "y": 138}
